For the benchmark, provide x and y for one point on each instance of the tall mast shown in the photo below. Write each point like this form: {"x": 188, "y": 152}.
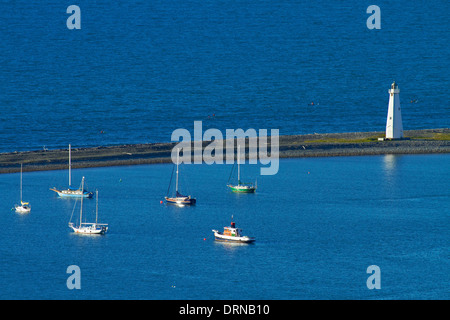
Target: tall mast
{"x": 239, "y": 169}
{"x": 70, "y": 165}
{"x": 21, "y": 183}
{"x": 178, "y": 155}
{"x": 81, "y": 209}
{"x": 96, "y": 206}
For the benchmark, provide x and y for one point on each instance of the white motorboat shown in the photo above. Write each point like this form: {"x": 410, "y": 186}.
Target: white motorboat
{"x": 232, "y": 234}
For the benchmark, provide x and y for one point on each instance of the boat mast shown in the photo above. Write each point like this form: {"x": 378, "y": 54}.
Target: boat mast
{"x": 21, "y": 183}
{"x": 178, "y": 155}
{"x": 239, "y": 168}
{"x": 81, "y": 209}
{"x": 96, "y": 206}
{"x": 70, "y": 165}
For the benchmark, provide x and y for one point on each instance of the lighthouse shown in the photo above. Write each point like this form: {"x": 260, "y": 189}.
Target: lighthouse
{"x": 394, "y": 126}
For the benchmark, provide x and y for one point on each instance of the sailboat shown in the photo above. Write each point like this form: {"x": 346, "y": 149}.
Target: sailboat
{"x": 71, "y": 192}
{"x": 24, "y": 207}
{"x": 240, "y": 186}
{"x": 179, "y": 198}
{"x": 89, "y": 227}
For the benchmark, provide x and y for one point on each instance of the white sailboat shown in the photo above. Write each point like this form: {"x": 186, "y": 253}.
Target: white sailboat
{"x": 179, "y": 199}
{"x": 89, "y": 227}
{"x": 24, "y": 207}
{"x": 71, "y": 192}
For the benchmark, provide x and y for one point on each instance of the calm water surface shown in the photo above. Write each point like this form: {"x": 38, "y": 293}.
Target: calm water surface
{"x": 137, "y": 70}
{"x": 319, "y": 223}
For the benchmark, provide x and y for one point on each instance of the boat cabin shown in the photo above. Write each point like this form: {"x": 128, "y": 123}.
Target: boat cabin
{"x": 232, "y": 231}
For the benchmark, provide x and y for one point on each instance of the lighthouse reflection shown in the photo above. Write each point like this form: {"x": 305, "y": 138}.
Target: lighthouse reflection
{"x": 390, "y": 170}
{"x": 390, "y": 162}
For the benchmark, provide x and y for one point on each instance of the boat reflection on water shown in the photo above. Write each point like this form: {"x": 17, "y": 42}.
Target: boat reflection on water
{"x": 232, "y": 245}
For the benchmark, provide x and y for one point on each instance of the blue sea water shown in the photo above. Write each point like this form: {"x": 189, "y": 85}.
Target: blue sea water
{"x": 137, "y": 70}
{"x": 319, "y": 224}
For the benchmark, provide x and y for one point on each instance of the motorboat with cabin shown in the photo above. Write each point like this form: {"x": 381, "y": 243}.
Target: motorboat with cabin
{"x": 232, "y": 234}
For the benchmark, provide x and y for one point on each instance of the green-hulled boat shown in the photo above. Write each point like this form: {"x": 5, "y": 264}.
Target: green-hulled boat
{"x": 241, "y": 187}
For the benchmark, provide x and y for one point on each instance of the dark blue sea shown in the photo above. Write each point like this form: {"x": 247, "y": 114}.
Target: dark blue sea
{"x": 137, "y": 70}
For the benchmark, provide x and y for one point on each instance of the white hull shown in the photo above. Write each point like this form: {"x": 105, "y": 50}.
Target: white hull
{"x": 23, "y": 209}
{"x": 88, "y": 227}
{"x": 69, "y": 193}
{"x": 181, "y": 200}
{"x": 89, "y": 230}
{"x": 221, "y": 237}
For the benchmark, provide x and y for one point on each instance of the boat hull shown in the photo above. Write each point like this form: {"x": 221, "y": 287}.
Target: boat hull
{"x": 221, "y": 237}
{"x": 89, "y": 230}
{"x": 242, "y": 189}
{"x": 181, "y": 200}
{"x": 23, "y": 209}
{"x": 73, "y": 193}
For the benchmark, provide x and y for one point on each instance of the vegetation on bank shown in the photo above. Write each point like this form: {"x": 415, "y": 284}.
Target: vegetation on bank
{"x": 435, "y": 136}
{"x": 432, "y": 136}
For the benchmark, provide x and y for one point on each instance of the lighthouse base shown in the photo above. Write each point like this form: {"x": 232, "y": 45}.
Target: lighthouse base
{"x": 392, "y": 139}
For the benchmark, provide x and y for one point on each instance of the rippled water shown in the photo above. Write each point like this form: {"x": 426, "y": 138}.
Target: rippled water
{"x": 319, "y": 223}
{"x": 137, "y": 70}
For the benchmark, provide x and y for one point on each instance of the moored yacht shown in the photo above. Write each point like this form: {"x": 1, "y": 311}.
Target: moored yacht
{"x": 24, "y": 207}
{"x": 179, "y": 199}
{"x": 89, "y": 227}
{"x": 72, "y": 192}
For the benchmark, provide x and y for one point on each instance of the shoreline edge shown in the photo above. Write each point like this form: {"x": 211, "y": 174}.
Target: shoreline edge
{"x": 426, "y": 141}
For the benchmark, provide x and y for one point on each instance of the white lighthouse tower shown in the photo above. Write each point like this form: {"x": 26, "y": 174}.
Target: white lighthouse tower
{"x": 394, "y": 126}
